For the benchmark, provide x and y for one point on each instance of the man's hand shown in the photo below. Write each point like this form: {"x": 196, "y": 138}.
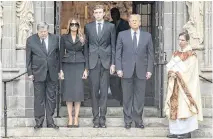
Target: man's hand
{"x": 148, "y": 75}
{"x": 31, "y": 77}
{"x": 112, "y": 69}
{"x": 61, "y": 75}
{"x": 85, "y": 74}
{"x": 120, "y": 73}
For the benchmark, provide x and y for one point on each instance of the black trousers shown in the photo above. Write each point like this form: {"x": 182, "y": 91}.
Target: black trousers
{"x": 99, "y": 81}
{"x": 115, "y": 87}
{"x": 133, "y": 98}
{"x": 44, "y": 99}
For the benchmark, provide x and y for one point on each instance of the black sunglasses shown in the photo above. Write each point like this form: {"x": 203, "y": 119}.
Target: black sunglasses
{"x": 74, "y": 24}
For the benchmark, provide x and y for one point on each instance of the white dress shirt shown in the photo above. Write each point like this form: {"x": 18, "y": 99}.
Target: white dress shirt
{"x": 137, "y": 35}
{"x": 102, "y": 23}
{"x": 46, "y": 42}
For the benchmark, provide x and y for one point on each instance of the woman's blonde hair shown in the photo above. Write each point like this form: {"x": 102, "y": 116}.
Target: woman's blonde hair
{"x": 79, "y": 31}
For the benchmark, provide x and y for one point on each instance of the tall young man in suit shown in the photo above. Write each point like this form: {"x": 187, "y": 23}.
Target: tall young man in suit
{"x": 134, "y": 65}
{"x": 100, "y": 38}
{"x": 42, "y": 61}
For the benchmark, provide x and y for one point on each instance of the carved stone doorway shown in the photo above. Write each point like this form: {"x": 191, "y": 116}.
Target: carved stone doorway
{"x": 83, "y": 11}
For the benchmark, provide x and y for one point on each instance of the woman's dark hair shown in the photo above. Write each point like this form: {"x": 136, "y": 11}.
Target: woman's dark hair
{"x": 185, "y": 34}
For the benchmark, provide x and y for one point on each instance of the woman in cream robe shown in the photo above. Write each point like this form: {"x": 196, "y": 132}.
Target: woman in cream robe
{"x": 183, "y": 101}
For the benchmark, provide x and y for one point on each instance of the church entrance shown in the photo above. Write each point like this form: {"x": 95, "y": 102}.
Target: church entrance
{"x": 151, "y": 21}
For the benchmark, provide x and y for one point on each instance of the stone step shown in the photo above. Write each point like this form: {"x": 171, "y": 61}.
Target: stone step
{"x": 111, "y": 111}
{"x": 111, "y": 122}
{"x": 99, "y": 132}
{"x": 93, "y": 138}
{"x": 118, "y": 112}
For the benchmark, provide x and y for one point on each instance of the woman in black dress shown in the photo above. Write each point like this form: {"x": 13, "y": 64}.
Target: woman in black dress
{"x": 74, "y": 68}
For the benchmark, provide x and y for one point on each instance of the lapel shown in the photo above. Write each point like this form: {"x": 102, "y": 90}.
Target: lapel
{"x": 38, "y": 40}
{"x": 50, "y": 44}
{"x": 131, "y": 40}
{"x": 140, "y": 40}
{"x": 77, "y": 39}
{"x": 69, "y": 38}
{"x": 94, "y": 28}
{"x": 102, "y": 31}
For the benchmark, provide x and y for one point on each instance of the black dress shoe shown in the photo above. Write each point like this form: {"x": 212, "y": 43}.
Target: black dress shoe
{"x": 102, "y": 125}
{"x": 37, "y": 127}
{"x": 139, "y": 126}
{"x": 95, "y": 126}
{"x": 53, "y": 126}
{"x": 183, "y": 136}
{"x": 172, "y": 136}
{"x": 127, "y": 126}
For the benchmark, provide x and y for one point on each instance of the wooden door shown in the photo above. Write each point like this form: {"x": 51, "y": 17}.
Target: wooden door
{"x": 84, "y": 11}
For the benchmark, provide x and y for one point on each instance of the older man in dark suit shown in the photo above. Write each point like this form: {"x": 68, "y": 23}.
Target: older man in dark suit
{"x": 134, "y": 64}
{"x": 100, "y": 36}
{"x": 42, "y": 61}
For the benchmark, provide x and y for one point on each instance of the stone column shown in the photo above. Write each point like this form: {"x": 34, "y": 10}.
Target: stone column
{"x": 174, "y": 18}
{"x": 9, "y": 37}
{"x": 1, "y": 89}
{"x": 207, "y": 65}
{"x": 44, "y": 11}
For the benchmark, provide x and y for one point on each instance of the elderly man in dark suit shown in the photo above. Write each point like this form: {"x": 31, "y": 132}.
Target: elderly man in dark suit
{"x": 134, "y": 64}
{"x": 42, "y": 61}
{"x": 100, "y": 36}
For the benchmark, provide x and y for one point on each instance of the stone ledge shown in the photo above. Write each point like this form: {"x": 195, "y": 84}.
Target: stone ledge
{"x": 100, "y": 132}
{"x": 93, "y": 138}
{"x": 110, "y": 122}
{"x": 118, "y": 112}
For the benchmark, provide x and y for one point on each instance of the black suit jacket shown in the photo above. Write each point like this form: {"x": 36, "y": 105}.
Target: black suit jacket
{"x": 102, "y": 46}
{"x": 71, "y": 52}
{"x": 38, "y": 61}
{"x": 127, "y": 58}
{"x": 123, "y": 25}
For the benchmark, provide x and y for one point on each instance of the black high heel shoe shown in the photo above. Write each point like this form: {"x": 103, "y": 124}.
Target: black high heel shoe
{"x": 76, "y": 126}
{"x": 69, "y": 126}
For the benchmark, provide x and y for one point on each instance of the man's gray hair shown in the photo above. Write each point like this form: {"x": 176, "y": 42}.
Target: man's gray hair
{"x": 42, "y": 25}
{"x": 139, "y": 16}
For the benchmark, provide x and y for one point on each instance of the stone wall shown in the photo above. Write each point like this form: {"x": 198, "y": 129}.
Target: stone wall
{"x": 1, "y": 98}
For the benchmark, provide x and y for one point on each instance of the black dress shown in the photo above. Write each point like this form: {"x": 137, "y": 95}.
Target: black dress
{"x": 73, "y": 59}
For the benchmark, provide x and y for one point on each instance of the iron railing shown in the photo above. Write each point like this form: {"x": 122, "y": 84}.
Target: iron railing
{"x": 205, "y": 79}
{"x": 5, "y": 101}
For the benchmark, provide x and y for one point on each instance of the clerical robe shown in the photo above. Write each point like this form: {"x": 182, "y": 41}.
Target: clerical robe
{"x": 183, "y": 101}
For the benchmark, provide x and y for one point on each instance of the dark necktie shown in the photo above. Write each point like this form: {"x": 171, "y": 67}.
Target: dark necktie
{"x": 135, "y": 41}
{"x": 44, "y": 45}
{"x": 99, "y": 29}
